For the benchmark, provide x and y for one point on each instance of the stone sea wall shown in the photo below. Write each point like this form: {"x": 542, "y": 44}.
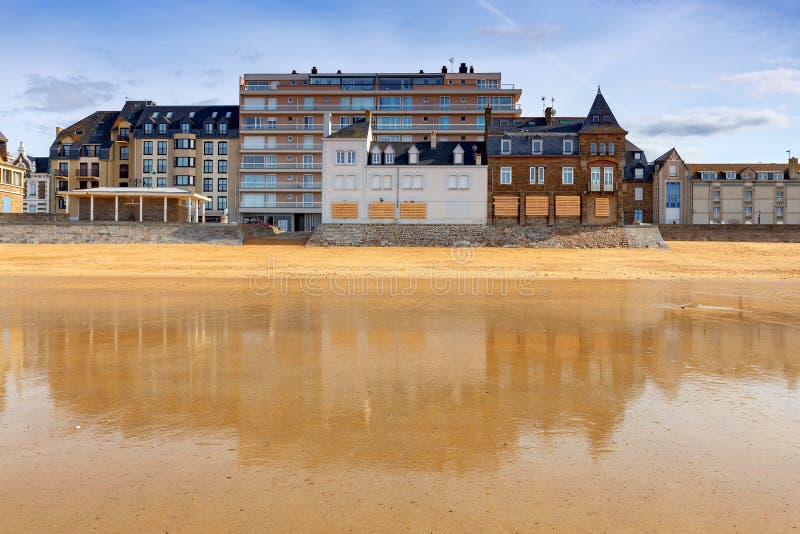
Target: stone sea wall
{"x": 57, "y": 233}
{"x": 511, "y": 235}
{"x": 767, "y": 233}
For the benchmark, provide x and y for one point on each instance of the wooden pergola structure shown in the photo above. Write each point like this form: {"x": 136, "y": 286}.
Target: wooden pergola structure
{"x": 195, "y": 201}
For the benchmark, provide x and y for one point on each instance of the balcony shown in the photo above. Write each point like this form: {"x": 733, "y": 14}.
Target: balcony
{"x": 282, "y": 166}
{"x": 452, "y": 108}
{"x": 281, "y": 205}
{"x": 122, "y": 137}
{"x": 285, "y": 147}
{"x": 260, "y": 88}
{"x": 281, "y": 128}
{"x": 262, "y": 186}
{"x": 87, "y": 174}
{"x": 433, "y": 127}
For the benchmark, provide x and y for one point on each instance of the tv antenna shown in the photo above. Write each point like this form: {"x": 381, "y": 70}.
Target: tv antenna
{"x": 790, "y": 153}
{"x": 452, "y": 61}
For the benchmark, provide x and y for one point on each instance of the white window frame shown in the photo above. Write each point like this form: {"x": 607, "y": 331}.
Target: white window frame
{"x": 541, "y": 175}
{"x": 567, "y": 175}
{"x": 505, "y": 146}
{"x": 673, "y": 170}
{"x": 571, "y": 145}
{"x": 594, "y": 181}
{"x": 340, "y": 157}
{"x": 389, "y": 156}
{"x": 638, "y": 173}
{"x": 608, "y": 178}
{"x": 638, "y": 193}
{"x": 376, "y": 158}
{"x": 351, "y": 157}
{"x": 730, "y": 175}
{"x": 537, "y": 141}
{"x": 505, "y": 175}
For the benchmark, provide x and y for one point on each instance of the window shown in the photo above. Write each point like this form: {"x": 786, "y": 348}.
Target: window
{"x": 595, "y": 179}
{"x": 779, "y": 211}
{"x": 444, "y": 102}
{"x": 222, "y": 185}
{"x": 381, "y": 182}
{"x": 208, "y": 165}
{"x": 147, "y": 148}
{"x": 567, "y": 177}
{"x": 209, "y": 128}
{"x": 376, "y": 158}
{"x": 183, "y": 180}
{"x": 730, "y": 175}
{"x": 762, "y": 175}
{"x": 595, "y": 118}
{"x": 222, "y": 148}
{"x": 541, "y": 175}
{"x": 602, "y": 149}
{"x": 123, "y": 170}
{"x": 148, "y": 129}
{"x": 208, "y": 148}
{"x": 505, "y": 175}
{"x": 123, "y": 152}
{"x": 147, "y": 166}
{"x": 458, "y": 182}
{"x": 222, "y": 166}
{"x": 184, "y": 162}
{"x": 532, "y": 175}
{"x": 638, "y": 215}
{"x": 748, "y": 196}
{"x": 63, "y": 168}
{"x": 593, "y": 148}
{"x": 611, "y": 148}
{"x": 62, "y": 203}
{"x": 161, "y": 181}
{"x": 222, "y": 203}
{"x": 608, "y": 178}
{"x": 184, "y": 144}
{"x": 536, "y": 145}
{"x": 637, "y": 156}
{"x": 777, "y": 175}
{"x": 606, "y": 118}
{"x": 715, "y": 195}
{"x": 444, "y": 123}
{"x": 351, "y": 158}
{"x": 209, "y": 205}
{"x": 162, "y": 148}
{"x": 340, "y": 157}
{"x": 708, "y": 175}
{"x": 638, "y": 193}
{"x": 716, "y": 212}
{"x": 208, "y": 185}
{"x": 748, "y": 211}
{"x": 389, "y": 158}
{"x": 778, "y": 196}
{"x": 568, "y": 146}
{"x": 162, "y": 165}
{"x": 185, "y": 127}
{"x": 505, "y": 146}
{"x": 638, "y": 173}
{"x": 162, "y": 128}
{"x": 147, "y": 182}
{"x": 673, "y": 170}
{"x": 223, "y": 128}
{"x": 308, "y": 200}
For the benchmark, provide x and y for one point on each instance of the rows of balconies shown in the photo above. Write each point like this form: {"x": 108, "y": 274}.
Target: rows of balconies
{"x": 283, "y": 147}
{"x": 275, "y": 86}
{"x": 282, "y": 166}
{"x": 280, "y": 205}
{"x": 439, "y": 127}
{"x": 268, "y": 185}
{"x": 452, "y": 108}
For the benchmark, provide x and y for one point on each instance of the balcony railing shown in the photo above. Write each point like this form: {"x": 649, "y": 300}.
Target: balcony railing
{"x": 282, "y": 166}
{"x": 260, "y": 87}
{"x": 297, "y": 147}
{"x": 87, "y": 174}
{"x": 122, "y": 137}
{"x": 280, "y": 185}
{"x": 455, "y": 127}
{"x": 413, "y": 107}
{"x": 279, "y": 205}
{"x": 281, "y": 127}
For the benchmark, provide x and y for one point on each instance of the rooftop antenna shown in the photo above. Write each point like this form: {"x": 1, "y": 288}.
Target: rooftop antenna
{"x": 544, "y": 99}
{"x": 790, "y": 153}
{"x": 452, "y": 61}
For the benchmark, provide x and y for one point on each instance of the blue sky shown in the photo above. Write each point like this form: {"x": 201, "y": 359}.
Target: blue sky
{"x": 718, "y": 80}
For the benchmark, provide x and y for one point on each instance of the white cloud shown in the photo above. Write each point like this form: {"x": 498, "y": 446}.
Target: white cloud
{"x": 782, "y": 81}
{"x": 703, "y": 122}
{"x": 510, "y": 29}
{"x": 48, "y": 93}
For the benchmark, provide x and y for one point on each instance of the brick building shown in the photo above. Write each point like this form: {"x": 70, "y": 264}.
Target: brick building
{"x": 637, "y": 186}
{"x": 558, "y": 169}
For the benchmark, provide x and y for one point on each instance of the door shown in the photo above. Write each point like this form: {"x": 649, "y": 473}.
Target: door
{"x": 6, "y": 205}
{"x": 308, "y": 181}
{"x": 31, "y": 208}
{"x": 672, "y": 206}
{"x": 308, "y": 200}
{"x": 272, "y": 103}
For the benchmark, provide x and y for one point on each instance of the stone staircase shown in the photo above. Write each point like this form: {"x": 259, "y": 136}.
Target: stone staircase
{"x": 644, "y": 236}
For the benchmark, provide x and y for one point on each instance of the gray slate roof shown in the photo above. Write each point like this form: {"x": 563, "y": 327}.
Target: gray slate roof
{"x": 600, "y": 118}
{"x": 357, "y": 130}
{"x": 441, "y": 155}
{"x": 174, "y": 116}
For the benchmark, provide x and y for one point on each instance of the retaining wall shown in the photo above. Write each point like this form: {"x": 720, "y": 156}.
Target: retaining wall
{"x": 777, "y": 233}
{"x": 57, "y": 233}
{"x": 441, "y": 235}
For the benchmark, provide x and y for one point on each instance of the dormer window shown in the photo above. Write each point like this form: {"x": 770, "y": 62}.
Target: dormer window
{"x": 209, "y": 128}
{"x": 606, "y": 118}
{"x": 389, "y": 157}
{"x": 777, "y": 176}
{"x": 413, "y": 155}
{"x": 762, "y": 175}
{"x": 458, "y": 155}
{"x": 148, "y": 129}
{"x": 185, "y": 127}
{"x": 505, "y": 146}
{"x": 162, "y": 128}
{"x": 536, "y": 145}
{"x": 223, "y": 128}
{"x": 637, "y": 156}
{"x": 596, "y": 118}
{"x": 638, "y": 173}
{"x": 376, "y": 158}
{"x": 730, "y": 175}
{"x": 708, "y": 175}
{"x": 568, "y": 146}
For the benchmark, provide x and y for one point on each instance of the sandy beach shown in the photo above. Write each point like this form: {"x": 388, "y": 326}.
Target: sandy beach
{"x": 682, "y": 261}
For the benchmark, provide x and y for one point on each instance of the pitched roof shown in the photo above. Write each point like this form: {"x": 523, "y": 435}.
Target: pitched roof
{"x": 534, "y": 125}
{"x": 600, "y": 118}
{"x": 3, "y": 138}
{"x": 357, "y": 130}
{"x": 441, "y": 155}
{"x": 91, "y": 130}
{"x": 42, "y": 164}
{"x": 195, "y": 115}
{"x": 737, "y": 167}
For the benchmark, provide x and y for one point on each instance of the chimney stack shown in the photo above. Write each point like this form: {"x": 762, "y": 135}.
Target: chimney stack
{"x": 444, "y": 69}
{"x": 313, "y": 70}
{"x": 477, "y": 159}
{"x": 471, "y": 69}
{"x": 59, "y": 130}
{"x": 462, "y": 69}
{"x": 487, "y": 121}
{"x": 326, "y": 126}
{"x": 548, "y": 115}
{"x": 433, "y": 139}
{"x": 793, "y": 168}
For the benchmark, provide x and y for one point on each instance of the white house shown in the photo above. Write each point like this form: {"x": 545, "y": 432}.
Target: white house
{"x": 38, "y": 182}
{"x": 367, "y": 181}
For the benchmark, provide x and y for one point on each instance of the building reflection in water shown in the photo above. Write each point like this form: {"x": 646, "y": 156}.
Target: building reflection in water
{"x": 425, "y": 382}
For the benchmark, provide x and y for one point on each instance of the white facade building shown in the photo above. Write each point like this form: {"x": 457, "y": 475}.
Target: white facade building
{"x": 401, "y": 183}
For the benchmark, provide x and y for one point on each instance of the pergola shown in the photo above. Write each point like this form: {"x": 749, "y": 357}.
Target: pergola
{"x": 141, "y": 193}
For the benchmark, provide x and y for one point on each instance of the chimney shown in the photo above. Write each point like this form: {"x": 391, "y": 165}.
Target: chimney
{"x": 3, "y": 150}
{"x": 294, "y": 71}
{"x": 444, "y": 69}
{"x": 339, "y": 71}
{"x": 433, "y": 139}
{"x": 462, "y": 69}
{"x": 59, "y": 130}
{"x": 477, "y": 159}
{"x": 487, "y": 121}
{"x": 314, "y": 70}
{"x": 548, "y": 115}
{"x": 793, "y": 168}
{"x": 471, "y": 69}
{"x": 421, "y": 71}
{"x": 326, "y": 124}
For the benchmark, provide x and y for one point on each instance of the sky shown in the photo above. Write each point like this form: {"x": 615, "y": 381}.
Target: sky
{"x": 720, "y": 81}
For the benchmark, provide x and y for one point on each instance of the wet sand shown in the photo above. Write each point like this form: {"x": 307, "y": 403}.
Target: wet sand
{"x": 683, "y": 261}
{"x": 146, "y": 403}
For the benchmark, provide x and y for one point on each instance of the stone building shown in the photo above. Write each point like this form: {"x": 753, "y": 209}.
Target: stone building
{"x": 637, "y": 186}
{"x": 38, "y": 182}
{"x": 557, "y": 169}
{"x": 11, "y": 181}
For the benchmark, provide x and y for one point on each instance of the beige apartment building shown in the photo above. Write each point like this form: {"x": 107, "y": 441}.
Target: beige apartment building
{"x": 285, "y": 116}
{"x": 11, "y": 181}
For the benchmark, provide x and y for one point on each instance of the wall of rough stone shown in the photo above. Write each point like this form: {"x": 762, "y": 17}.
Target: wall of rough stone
{"x": 502, "y": 235}
{"x": 767, "y": 233}
{"x": 119, "y": 233}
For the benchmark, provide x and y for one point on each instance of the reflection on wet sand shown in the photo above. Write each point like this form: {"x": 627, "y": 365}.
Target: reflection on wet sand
{"x": 404, "y": 385}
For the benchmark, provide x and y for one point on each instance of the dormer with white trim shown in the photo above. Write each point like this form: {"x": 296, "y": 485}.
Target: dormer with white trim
{"x": 413, "y": 155}
{"x": 388, "y": 157}
{"x": 375, "y": 155}
{"x": 458, "y": 155}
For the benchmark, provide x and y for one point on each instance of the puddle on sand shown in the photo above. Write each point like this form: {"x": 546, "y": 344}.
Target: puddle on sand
{"x": 600, "y": 404}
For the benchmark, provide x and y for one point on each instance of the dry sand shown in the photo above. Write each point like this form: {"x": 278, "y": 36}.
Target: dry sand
{"x": 684, "y": 260}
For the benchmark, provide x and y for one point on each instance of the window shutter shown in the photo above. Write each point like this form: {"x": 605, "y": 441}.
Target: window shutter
{"x": 417, "y": 182}
{"x": 376, "y": 182}
{"x": 406, "y": 181}
{"x": 463, "y": 182}
{"x": 387, "y": 182}
{"x": 452, "y": 182}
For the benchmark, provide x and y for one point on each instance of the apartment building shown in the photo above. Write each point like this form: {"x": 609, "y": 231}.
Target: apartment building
{"x": 427, "y": 182}
{"x": 726, "y": 193}
{"x": 195, "y": 148}
{"x": 557, "y": 169}
{"x": 11, "y": 181}
{"x": 38, "y": 196}
{"x": 284, "y": 116}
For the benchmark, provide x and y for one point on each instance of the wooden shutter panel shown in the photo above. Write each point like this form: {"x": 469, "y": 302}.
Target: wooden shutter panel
{"x": 568, "y": 206}
{"x": 602, "y": 207}
{"x": 344, "y": 210}
{"x": 536, "y": 206}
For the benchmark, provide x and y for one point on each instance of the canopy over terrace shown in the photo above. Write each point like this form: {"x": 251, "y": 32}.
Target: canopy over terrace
{"x": 169, "y": 204}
